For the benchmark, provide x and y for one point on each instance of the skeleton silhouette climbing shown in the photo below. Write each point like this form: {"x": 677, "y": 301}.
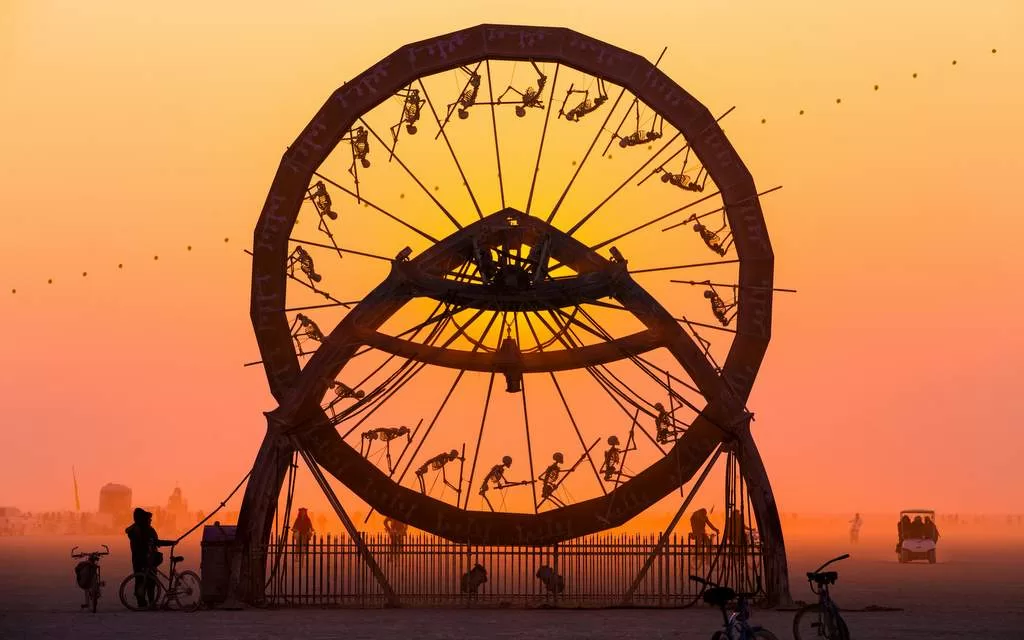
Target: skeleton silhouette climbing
{"x": 586, "y": 105}
{"x": 496, "y": 476}
{"x": 301, "y": 258}
{"x": 549, "y": 480}
{"x": 719, "y": 307}
{"x": 639, "y": 136}
{"x": 467, "y": 98}
{"x": 385, "y": 435}
{"x": 612, "y": 467}
{"x": 359, "y": 140}
{"x": 321, "y": 200}
{"x": 665, "y": 427}
{"x": 682, "y": 179}
{"x": 438, "y": 463}
{"x": 529, "y": 98}
{"x": 412, "y": 106}
{"x": 303, "y": 328}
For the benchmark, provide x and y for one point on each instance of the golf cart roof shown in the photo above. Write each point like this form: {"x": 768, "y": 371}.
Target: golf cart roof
{"x": 930, "y": 512}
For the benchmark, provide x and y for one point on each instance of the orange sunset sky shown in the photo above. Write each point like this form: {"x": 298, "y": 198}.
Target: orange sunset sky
{"x": 134, "y": 130}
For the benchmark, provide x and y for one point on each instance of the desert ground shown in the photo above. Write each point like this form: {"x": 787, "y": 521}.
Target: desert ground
{"x": 976, "y": 590}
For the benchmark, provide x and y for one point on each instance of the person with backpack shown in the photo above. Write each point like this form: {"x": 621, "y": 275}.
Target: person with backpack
{"x": 145, "y": 557}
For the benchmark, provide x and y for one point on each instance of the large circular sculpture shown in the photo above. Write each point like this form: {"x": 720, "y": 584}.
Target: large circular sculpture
{"x": 507, "y": 274}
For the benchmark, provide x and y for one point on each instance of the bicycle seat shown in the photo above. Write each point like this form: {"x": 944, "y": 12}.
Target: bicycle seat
{"x": 177, "y": 558}
{"x": 719, "y": 596}
{"x": 825, "y": 577}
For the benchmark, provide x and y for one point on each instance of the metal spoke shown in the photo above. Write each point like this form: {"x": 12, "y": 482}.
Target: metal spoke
{"x": 579, "y": 165}
{"x": 631, "y": 105}
{"x": 412, "y": 175}
{"x": 342, "y": 249}
{"x": 405, "y": 224}
{"x": 479, "y": 439}
{"x": 494, "y": 124}
{"x": 625, "y": 182}
{"x": 543, "y": 135}
{"x": 458, "y": 165}
{"x": 529, "y": 446}
{"x": 682, "y": 266}
{"x": 696, "y": 218}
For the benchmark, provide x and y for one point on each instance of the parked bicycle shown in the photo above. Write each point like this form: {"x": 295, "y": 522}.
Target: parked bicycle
{"x": 735, "y": 626}
{"x": 173, "y": 590}
{"x": 87, "y": 575}
{"x": 822, "y": 619}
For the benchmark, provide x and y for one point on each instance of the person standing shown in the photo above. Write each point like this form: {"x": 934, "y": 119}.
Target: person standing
{"x": 855, "y": 525}
{"x": 144, "y": 542}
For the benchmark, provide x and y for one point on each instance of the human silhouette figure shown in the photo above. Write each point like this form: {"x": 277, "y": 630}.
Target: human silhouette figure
{"x": 855, "y": 525}
{"x": 396, "y": 531}
{"x": 144, "y": 542}
{"x": 302, "y": 531}
{"x": 699, "y": 521}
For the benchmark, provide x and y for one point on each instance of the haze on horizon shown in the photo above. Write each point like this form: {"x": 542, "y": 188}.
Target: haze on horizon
{"x": 892, "y": 377}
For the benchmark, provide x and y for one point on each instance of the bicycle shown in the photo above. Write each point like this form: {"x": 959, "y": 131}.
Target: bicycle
{"x": 735, "y": 626}
{"x": 87, "y": 575}
{"x": 823, "y": 617}
{"x": 173, "y": 590}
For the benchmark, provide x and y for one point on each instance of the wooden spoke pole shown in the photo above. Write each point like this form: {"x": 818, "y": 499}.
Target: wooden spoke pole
{"x": 671, "y": 526}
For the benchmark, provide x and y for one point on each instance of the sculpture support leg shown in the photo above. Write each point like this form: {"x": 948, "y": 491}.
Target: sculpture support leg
{"x": 769, "y": 526}
{"x": 256, "y": 517}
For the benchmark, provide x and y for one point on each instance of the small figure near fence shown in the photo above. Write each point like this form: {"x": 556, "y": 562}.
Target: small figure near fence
{"x": 302, "y": 531}
{"x": 438, "y": 463}
{"x": 473, "y": 579}
{"x": 553, "y": 582}
{"x": 855, "y": 525}
{"x": 699, "y": 521}
{"x": 396, "y": 532}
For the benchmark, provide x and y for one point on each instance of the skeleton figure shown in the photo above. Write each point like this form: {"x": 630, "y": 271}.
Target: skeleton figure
{"x": 437, "y": 463}
{"x": 549, "y": 480}
{"x": 639, "y": 137}
{"x": 343, "y": 391}
{"x": 322, "y": 200}
{"x": 529, "y": 98}
{"x": 611, "y": 468}
{"x": 719, "y": 307}
{"x": 468, "y": 96}
{"x": 473, "y": 579}
{"x": 586, "y": 105}
{"x": 711, "y": 239}
{"x": 385, "y": 435}
{"x": 496, "y": 476}
{"x": 682, "y": 181}
{"x": 359, "y": 138}
{"x": 307, "y": 328}
{"x": 552, "y": 582}
{"x": 411, "y": 109}
{"x": 665, "y": 430}
{"x": 302, "y": 258}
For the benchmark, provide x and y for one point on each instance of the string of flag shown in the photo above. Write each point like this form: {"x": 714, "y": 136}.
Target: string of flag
{"x": 188, "y": 248}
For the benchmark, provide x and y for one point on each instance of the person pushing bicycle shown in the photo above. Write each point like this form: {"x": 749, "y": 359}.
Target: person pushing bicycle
{"x": 145, "y": 557}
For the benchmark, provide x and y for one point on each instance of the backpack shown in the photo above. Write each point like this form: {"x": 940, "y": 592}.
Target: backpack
{"x": 85, "y": 574}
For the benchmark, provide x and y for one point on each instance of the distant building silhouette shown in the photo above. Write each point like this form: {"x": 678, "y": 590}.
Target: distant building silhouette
{"x": 116, "y": 503}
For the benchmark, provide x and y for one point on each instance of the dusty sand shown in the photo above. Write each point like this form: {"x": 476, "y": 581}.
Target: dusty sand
{"x": 975, "y": 591}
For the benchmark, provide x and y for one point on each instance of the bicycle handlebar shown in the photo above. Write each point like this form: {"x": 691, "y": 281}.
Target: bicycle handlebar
{"x": 106, "y": 552}
{"x": 842, "y": 557}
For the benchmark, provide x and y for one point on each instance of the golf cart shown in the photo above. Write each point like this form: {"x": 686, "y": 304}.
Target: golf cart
{"x": 918, "y": 535}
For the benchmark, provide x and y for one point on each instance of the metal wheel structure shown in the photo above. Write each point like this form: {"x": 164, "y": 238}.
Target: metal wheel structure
{"x": 492, "y": 216}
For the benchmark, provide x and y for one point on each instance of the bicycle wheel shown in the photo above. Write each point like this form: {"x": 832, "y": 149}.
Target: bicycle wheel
{"x": 185, "y": 591}
{"x": 127, "y": 592}
{"x": 94, "y": 596}
{"x": 811, "y": 622}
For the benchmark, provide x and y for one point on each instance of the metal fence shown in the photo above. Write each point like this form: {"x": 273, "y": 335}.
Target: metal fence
{"x": 427, "y": 571}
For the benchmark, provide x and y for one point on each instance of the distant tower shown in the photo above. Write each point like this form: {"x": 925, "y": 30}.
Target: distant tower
{"x": 116, "y": 500}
